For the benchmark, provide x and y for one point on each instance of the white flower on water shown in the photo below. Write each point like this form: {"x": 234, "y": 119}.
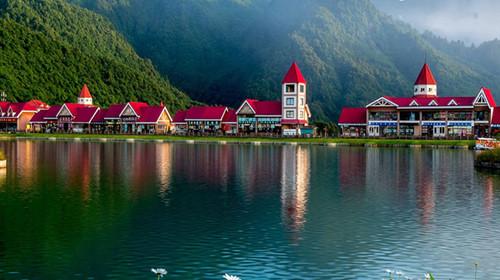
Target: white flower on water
{"x": 160, "y": 272}
{"x": 389, "y": 271}
{"x": 399, "y": 273}
{"x": 427, "y": 276}
{"x": 230, "y": 277}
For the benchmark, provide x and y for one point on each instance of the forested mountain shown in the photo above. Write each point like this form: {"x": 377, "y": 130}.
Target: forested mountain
{"x": 221, "y": 51}
{"x": 49, "y": 48}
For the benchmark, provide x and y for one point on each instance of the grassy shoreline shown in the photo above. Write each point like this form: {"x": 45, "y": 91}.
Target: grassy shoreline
{"x": 319, "y": 141}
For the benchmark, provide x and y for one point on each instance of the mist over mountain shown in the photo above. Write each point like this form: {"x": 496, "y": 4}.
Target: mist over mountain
{"x": 470, "y": 21}
{"x": 50, "y": 48}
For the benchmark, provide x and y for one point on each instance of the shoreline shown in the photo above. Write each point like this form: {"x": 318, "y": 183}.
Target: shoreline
{"x": 355, "y": 142}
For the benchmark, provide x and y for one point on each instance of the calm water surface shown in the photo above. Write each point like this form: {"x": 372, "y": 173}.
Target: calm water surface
{"x": 72, "y": 210}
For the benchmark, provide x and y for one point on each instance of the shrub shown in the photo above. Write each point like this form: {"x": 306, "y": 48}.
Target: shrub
{"x": 489, "y": 156}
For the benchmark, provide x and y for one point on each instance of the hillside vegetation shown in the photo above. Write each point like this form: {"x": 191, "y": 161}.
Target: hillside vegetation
{"x": 221, "y": 51}
{"x": 49, "y": 48}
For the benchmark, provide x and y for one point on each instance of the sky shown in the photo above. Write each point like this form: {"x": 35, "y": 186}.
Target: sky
{"x": 471, "y": 21}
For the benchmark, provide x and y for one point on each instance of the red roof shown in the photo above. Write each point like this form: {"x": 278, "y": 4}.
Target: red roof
{"x": 74, "y": 107}
{"x": 137, "y": 106}
{"x": 353, "y": 116}
{"x": 114, "y": 111}
{"x": 150, "y": 114}
{"x": 265, "y": 108}
{"x": 39, "y": 117}
{"x": 99, "y": 117}
{"x": 496, "y": 116}
{"x": 429, "y": 101}
{"x": 85, "y": 114}
{"x": 489, "y": 96}
{"x": 214, "y": 113}
{"x": 230, "y": 117}
{"x": 180, "y": 116}
{"x": 4, "y": 106}
{"x": 425, "y": 77}
{"x": 294, "y": 75}
{"x": 52, "y": 112}
{"x": 85, "y": 93}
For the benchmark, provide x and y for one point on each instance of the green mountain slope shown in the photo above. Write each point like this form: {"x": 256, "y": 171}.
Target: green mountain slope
{"x": 49, "y": 48}
{"x": 222, "y": 51}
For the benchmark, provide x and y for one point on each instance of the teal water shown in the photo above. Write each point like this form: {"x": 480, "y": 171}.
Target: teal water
{"x": 71, "y": 210}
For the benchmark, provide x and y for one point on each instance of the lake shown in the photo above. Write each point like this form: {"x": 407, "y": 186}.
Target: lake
{"x": 81, "y": 210}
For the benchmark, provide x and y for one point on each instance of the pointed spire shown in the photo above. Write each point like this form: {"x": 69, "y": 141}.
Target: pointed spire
{"x": 294, "y": 75}
{"x": 85, "y": 93}
{"x": 425, "y": 77}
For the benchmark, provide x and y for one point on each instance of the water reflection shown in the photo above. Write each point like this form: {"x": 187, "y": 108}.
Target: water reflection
{"x": 295, "y": 177}
{"x": 112, "y": 210}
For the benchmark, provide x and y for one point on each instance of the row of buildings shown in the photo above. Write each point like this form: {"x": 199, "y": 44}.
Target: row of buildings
{"x": 425, "y": 114}
{"x": 289, "y": 116}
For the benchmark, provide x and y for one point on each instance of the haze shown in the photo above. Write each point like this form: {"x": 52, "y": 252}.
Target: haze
{"x": 471, "y": 21}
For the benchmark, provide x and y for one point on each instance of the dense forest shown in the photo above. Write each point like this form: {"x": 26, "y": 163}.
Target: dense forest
{"x": 49, "y": 48}
{"x": 221, "y": 51}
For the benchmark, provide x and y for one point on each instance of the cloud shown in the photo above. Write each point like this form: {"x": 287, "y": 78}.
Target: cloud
{"x": 471, "y": 21}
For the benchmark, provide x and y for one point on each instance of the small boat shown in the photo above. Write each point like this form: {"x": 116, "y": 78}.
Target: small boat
{"x": 487, "y": 144}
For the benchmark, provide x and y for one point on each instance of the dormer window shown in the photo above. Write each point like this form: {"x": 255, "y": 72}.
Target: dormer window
{"x": 433, "y": 103}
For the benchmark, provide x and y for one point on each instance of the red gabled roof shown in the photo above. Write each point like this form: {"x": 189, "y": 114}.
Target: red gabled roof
{"x": 74, "y": 107}
{"x": 39, "y": 117}
{"x": 206, "y": 113}
{"x": 489, "y": 96}
{"x": 496, "y": 116}
{"x": 85, "y": 93}
{"x": 180, "y": 116}
{"x": 294, "y": 75}
{"x": 353, "y": 116}
{"x": 4, "y": 106}
{"x": 426, "y": 101}
{"x": 85, "y": 114}
{"x": 52, "y": 112}
{"x": 230, "y": 117}
{"x": 114, "y": 111}
{"x": 265, "y": 108}
{"x": 99, "y": 117}
{"x": 150, "y": 114}
{"x": 425, "y": 77}
{"x": 137, "y": 106}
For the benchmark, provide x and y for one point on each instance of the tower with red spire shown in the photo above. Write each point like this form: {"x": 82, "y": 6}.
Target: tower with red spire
{"x": 85, "y": 97}
{"x": 425, "y": 85}
{"x": 295, "y": 112}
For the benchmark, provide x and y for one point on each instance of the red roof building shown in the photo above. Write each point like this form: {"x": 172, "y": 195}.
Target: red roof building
{"x": 425, "y": 114}
{"x": 15, "y": 116}
{"x": 294, "y": 76}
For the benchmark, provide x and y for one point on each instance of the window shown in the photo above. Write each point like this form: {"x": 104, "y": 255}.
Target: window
{"x": 430, "y": 89}
{"x": 416, "y": 89}
{"x": 290, "y": 88}
{"x": 290, "y": 114}
{"x": 302, "y": 101}
{"x": 301, "y": 114}
{"x": 290, "y": 101}
{"x": 422, "y": 89}
{"x": 302, "y": 88}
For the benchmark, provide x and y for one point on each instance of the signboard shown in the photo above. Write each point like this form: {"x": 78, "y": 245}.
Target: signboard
{"x": 290, "y": 132}
{"x": 433, "y": 123}
{"x": 383, "y": 123}
{"x": 461, "y": 123}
